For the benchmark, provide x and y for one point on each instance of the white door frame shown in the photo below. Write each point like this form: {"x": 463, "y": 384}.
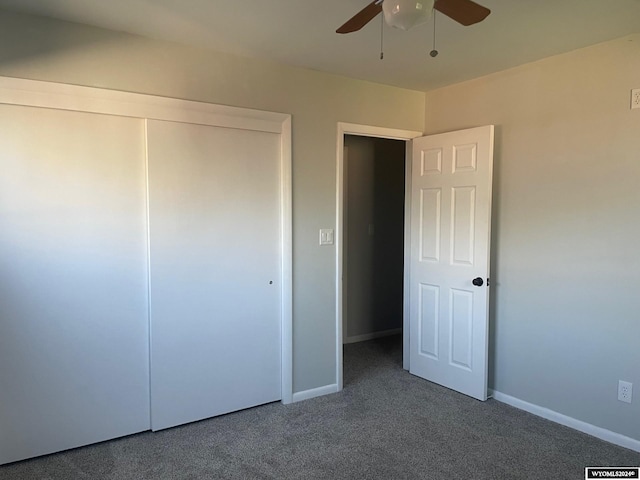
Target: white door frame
{"x": 377, "y": 132}
{"x": 33, "y": 93}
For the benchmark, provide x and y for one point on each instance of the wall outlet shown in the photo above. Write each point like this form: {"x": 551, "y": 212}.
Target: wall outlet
{"x": 635, "y": 98}
{"x": 625, "y": 391}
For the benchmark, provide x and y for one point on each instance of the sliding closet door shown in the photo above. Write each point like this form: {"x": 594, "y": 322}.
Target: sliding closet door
{"x": 73, "y": 280}
{"x": 214, "y": 199}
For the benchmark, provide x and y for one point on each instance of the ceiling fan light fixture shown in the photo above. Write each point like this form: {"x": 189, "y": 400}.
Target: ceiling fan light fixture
{"x": 405, "y": 14}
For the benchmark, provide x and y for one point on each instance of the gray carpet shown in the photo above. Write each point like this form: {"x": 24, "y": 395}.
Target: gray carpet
{"x": 386, "y": 424}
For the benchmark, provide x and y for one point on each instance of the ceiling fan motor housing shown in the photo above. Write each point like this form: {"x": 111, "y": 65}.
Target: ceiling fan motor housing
{"x": 405, "y": 14}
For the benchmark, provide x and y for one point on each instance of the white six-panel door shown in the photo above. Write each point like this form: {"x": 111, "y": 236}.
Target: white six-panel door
{"x": 450, "y": 240}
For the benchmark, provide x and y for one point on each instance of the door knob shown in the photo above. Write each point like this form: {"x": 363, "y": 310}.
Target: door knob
{"x": 478, "y": 282}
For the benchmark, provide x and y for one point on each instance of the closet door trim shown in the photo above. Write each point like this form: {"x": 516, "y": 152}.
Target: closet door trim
{"x": 35, "y": 93}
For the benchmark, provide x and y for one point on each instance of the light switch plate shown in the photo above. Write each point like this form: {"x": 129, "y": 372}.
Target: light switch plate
{"x": 326, "y": 236}
{"x": 635, "y": 98}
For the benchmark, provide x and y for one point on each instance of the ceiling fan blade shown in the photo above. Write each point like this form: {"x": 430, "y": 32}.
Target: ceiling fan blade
{"x": 464, "y": 12}
{"x": 361, "y": 18}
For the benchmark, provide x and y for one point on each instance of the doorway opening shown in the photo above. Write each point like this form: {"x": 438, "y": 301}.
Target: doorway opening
{"x": 374, "y": 178}
{"x": 373, "y": 174}
{"x": 373, "y": 237}
{"x": 446, "y": 255}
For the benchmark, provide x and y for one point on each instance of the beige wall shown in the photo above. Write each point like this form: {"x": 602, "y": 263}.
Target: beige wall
{"x": 42, "y": 49}
{"x": 566, "y": 267}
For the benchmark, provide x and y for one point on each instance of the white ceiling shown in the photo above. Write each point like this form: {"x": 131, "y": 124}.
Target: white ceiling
{"x": 302, "y": 33}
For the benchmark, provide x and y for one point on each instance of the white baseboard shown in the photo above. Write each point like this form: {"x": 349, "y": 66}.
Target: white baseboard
{"x": 314, "y": 392}
{"x": 584, "y": 427}
{"x": 371, "y": 336}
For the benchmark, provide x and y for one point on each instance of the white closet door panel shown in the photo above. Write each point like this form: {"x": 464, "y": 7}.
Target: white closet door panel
{"x": 73, "y": 280}
{"x": 214, "y": 199}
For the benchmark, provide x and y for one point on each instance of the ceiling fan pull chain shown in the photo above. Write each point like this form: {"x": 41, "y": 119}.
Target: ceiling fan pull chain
{"x": 382, "y": 37}
{"x": 434, "y": 52}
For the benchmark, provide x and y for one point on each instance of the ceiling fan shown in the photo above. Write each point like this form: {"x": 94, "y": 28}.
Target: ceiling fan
{"x": 405, "y": 14}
